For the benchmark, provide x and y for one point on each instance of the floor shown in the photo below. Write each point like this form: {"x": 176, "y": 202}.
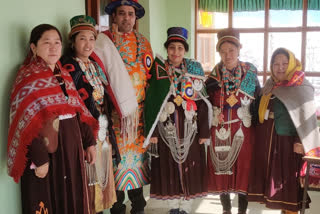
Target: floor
{"x": 211, "y": 205}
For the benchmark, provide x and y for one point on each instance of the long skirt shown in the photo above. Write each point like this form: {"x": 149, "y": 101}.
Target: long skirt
{"x": 64, "y": 189}
{"x": 274, "y": 176}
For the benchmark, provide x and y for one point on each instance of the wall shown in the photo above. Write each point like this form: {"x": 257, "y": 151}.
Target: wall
{"x": 164, "y": 14}
{"x": 181, "y": 13}
{"x": 18, "y": 17}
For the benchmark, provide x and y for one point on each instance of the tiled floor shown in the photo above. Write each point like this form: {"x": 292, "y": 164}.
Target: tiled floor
{"x": 211, "y": 205}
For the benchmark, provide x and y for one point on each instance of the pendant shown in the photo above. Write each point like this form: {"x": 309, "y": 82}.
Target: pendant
{"x": 97, "y": 95}
{"x": 197, "y": 85}
{"x": 163, "y": 117}
{"x": 223, "y": 134}
{"x": 215, "y": 116}
{"x": 169, "y": 108}
{"x": 221, "y": 117}
{"x": 189, "y": 114}
{"x": 232, "y": 100}
{"x": 240, "y": 113}
{"x": 246, "y": 122}
{"x": 178, "y": 100}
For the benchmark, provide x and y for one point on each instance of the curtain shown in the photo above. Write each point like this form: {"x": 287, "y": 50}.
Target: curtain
{"x": 255, "y": 5}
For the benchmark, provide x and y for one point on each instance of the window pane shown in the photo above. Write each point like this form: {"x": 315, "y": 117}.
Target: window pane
{"x": 291, "y": 41}
{"x": 260, "y": 78}
{"x": 212, "y": 20}
{"x": 206, "y": 50}
{"x": 104, "y": 18}
{"x": 315, "y": 81}
{"x": 313, "y": 18}
{"x": 248, "y": 19}
{"x": 252, "y": 49}
{"x": 285, "y": 18}
{"x": 313, "y": 52}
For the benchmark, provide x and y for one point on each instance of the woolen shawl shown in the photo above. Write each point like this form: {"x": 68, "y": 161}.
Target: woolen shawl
{"x": 37, "y": 97}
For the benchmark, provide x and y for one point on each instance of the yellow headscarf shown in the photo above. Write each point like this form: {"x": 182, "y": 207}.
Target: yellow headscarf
{"x": 293, "y": 66}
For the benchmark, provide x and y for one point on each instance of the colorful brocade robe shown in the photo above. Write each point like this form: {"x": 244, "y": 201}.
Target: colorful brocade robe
{"x": 133, "y": 171}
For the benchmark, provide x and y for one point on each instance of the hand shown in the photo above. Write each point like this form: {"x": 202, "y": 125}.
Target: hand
{"x": 203, "y": 140}
{"x": 298, "y": 148}
{"x": 154, "y": 140}
{"x": 42, "y": 170}
{"x": 91, "y": 154}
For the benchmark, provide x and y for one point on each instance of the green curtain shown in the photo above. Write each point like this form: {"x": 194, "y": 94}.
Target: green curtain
{"x": 286, "y": 4}
{"x": 313, "y": 4}
{"x": 248, "y": 5}
{"x": 255, "y": 5}
{"x": 214, "y": 5}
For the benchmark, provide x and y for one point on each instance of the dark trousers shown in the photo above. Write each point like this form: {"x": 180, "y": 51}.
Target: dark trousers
{"x": 226, "y": 202}
{"x": 137, "y": 202}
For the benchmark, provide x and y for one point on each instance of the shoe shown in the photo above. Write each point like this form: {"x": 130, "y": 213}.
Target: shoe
{"x": 174, "y": 211}
{"x": 140, "y": 212}
{"x": 183, "y": 212}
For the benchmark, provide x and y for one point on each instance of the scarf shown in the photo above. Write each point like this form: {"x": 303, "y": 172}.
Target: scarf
{"x": 294, "y": 77}
{"x": 297, "y": 94}
{"x": 120, "y": 85}
{"x": 36, "y": 98}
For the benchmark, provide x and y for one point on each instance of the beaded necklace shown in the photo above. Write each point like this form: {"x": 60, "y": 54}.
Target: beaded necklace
{"x": 175, "y": 80}
{"x": 118, "y": 41}
{"x": 235, "y": 81}
{"x": 92, "y": 76}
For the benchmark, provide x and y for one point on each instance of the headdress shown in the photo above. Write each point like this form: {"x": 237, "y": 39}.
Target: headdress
{"x": 117, "y": 3}
{"x": 228, "y": 35}
{"x": 177, "y": 34}
{"x": 82, "y": 22}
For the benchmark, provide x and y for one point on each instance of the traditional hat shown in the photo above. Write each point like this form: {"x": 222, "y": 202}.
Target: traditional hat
{"x": 82, "y": 22}
{"x": 228, "y": 35}
{"x": 177, "y": 34}
{"x": 134, "y": 3}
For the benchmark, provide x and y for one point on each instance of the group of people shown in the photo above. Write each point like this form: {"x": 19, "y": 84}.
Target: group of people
{"x": 106, "y": 117}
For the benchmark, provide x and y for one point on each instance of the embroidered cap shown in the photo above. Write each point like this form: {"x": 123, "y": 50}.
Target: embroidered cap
{"x": 109, "y": 9}
{"x": 82, "y": 22}
{"x": 177, "y": 34}
{"x": 228, "y": 35}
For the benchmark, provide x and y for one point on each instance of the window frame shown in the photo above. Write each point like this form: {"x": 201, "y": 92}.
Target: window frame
{"x": 266, "y": 30}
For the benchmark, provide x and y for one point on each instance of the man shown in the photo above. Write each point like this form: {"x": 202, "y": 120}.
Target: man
{"x": 126, "y": 56}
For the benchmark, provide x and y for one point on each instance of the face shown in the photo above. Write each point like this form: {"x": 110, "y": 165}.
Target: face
{"x": 48, "y": 47}
{"x": 280, "y": 66}
{"x": 229, "y": 54}
{"x": 176, "y": 52}
{"x": 125, "y": 18}
{"x": 84, "y": 44}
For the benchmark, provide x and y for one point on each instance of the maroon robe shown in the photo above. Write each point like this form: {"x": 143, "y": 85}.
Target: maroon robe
{"x": 274, "y": 174}
{"x": 171, "y": 180}
{"x": 64, "y": 189}
{"x": 238, "y": 180}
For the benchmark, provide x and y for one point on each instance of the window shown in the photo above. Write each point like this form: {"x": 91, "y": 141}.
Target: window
{"x": 264, "y": 26}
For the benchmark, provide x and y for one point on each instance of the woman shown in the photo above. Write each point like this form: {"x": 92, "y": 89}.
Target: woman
{"x": 232, "y": 87}
{"x": 49, "y": 131}
{"x": 177, "y": 125}
{"x": 90, "y": 83}
{"x": 288, "y": 130}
